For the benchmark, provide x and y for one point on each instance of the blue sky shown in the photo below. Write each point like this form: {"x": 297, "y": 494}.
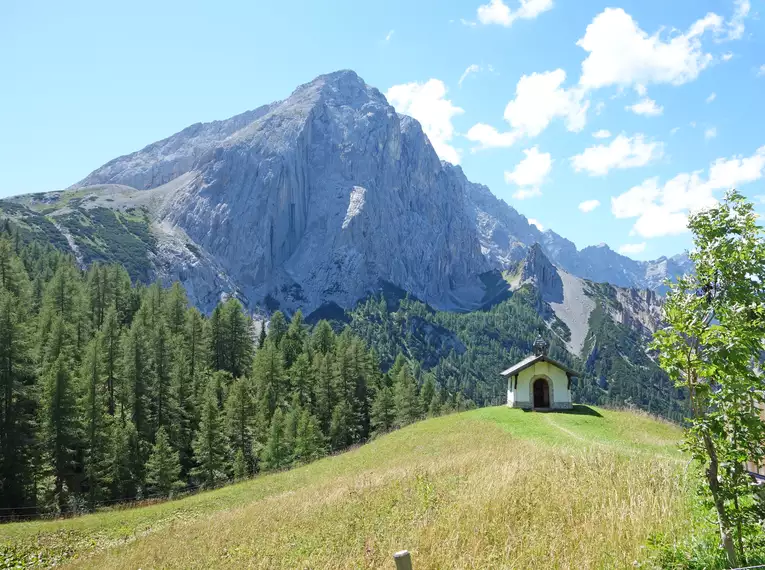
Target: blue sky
{"x": 677, "y": 85}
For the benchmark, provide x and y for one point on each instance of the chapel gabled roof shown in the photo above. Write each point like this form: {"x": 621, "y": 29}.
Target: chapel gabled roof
{"x": 532, "y": 360}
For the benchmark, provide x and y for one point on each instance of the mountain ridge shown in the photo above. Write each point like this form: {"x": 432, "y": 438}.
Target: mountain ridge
{"x": 301, "y": 202}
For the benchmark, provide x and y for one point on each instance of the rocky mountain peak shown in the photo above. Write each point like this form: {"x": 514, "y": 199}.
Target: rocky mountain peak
{"x": 538, "y": 270}
{"x": 321, "y": 196}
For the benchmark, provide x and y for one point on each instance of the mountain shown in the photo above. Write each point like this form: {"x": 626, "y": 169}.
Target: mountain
{"x": 505, "y": 235}
{"x": 320, "y": 198}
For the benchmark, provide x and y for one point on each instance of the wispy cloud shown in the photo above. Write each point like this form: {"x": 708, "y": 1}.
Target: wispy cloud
{"x": 712, "y": 97}
{"x": 389, "y": 36}
{"x": 472, "y": 68}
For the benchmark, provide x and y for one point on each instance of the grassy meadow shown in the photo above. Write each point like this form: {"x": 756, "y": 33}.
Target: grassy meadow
{"x": 490, "y": 488}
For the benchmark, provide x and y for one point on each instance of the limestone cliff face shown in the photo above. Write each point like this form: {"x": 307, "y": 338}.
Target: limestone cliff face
{"x": 320, "y": 197}
{"x": 317, "y": 198}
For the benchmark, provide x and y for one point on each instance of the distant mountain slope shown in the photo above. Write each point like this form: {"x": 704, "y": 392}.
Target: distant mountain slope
{"x": 505, "y": 234}
{"x": 596, "y": 328}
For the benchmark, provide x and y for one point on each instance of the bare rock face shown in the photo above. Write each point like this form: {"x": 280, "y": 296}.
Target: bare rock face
{"x": 321, "y": 197}
{"x": 505, "y": 235}
{"x": 316, "y": 199}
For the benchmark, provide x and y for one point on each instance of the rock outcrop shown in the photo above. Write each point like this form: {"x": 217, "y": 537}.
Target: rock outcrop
{"x": 321, "y": 197}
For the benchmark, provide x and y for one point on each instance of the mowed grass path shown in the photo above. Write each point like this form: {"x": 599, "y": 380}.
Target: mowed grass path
{"x": 491, "y": 488}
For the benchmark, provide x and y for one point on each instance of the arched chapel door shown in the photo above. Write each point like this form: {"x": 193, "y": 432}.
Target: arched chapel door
{"x": 541, "y": 393}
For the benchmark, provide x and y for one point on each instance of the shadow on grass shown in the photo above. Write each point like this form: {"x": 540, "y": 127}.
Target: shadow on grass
{"x": 577, "y": 410}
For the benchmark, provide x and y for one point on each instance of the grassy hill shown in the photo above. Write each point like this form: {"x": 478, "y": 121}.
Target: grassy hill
{"x": 490, "y": 488}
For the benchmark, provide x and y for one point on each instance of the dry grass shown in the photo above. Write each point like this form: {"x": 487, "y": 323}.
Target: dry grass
{"x": 493, "y": 488}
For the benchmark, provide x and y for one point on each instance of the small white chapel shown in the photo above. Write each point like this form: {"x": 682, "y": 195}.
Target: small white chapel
{"x": 538, "y": 382}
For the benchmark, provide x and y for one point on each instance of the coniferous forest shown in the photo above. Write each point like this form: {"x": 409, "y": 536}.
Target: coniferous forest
{"x": 112, "y": 391}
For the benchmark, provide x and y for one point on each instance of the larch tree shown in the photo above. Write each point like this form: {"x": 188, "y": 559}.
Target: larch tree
{"x": 209, "y": 444}
{"x": 163, "y": 467}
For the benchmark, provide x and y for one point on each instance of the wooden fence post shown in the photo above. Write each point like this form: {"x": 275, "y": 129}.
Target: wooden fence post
{"x": 403, "y": 560}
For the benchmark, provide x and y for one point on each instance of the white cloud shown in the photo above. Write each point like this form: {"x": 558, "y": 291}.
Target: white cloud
{"x": 497, "y": 12}
{"x": 489, "y": 137}
{"x": 674, "y": 130}
{"x": 620, "y": 53}
{"x": 640, "y": 89}
{"x": 427, "y": 103}
{"x": 390, "y": 35}
{"x": 589, "y": 205}
{"x": 622, "y": 152}
{"x": 539, "y": 98}
{"x": 602, "y": 134}
{"x": 629, "y": 248}
{"x": 533, "y": 222}
{"x": 761, "y": 71}
{"x": 710, "y": 133}
{"x": 646, "y": 107}
{"x": 663, "y": 210}
{"x": 472, "y": 68}
{"x": 736, "y": 23}
{"x": 727, "y": 56}
{"x": 530, "y": 173}
{"x": 712, "y": 97}
{"x": 599, "y": 107}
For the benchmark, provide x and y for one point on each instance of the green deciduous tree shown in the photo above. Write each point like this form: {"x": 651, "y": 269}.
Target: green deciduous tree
{"x": 712, "y": 346}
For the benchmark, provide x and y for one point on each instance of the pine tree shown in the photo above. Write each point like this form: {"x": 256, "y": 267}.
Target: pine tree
{"x": 162, "y": 402}
{"x": 339, "y": 430}
{"x": 294, "y": 339}
{"x": 209, "y": 444}
{"x": 163, "y": 468}
{"x": 435, "y": 405}
{"x": 135, "y": 389}
{"x": 323, "y": 389}
{"x": 383, "y": 411}
{"x": 276, "y": 454}
{"x": 216, "y": 339}
{"x": 126, "y": 469}
{"x": 262, "y": 334}
{"x": 95, "y": 422}
{"x": 60, "y": 427}
{"x": 16, "y": 385}
{"x": 301, "y": 379}
{"x": 184, "y": 397}
{"x": 405, "y": 398}
{"x": 323, "y": 338}
{"x": 309, "y": 442}
{"x": 194, "y": 343}
{"x": 239, "y": 417}
{"x": 291, "y": 421}
{"x": 427, "y": 392}
{"x": 111, "y": 354}
{"x": 176, "y": 304}
{"x": 268, "y": 374}
{"x": 237, "y": 346}
{"x": 241, "y": 470}
{"x": 277, "y": 328}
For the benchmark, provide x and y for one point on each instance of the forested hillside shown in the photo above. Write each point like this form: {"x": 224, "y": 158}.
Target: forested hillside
{"x": 111, "y": 391}
{"x": 466, "y": 351}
